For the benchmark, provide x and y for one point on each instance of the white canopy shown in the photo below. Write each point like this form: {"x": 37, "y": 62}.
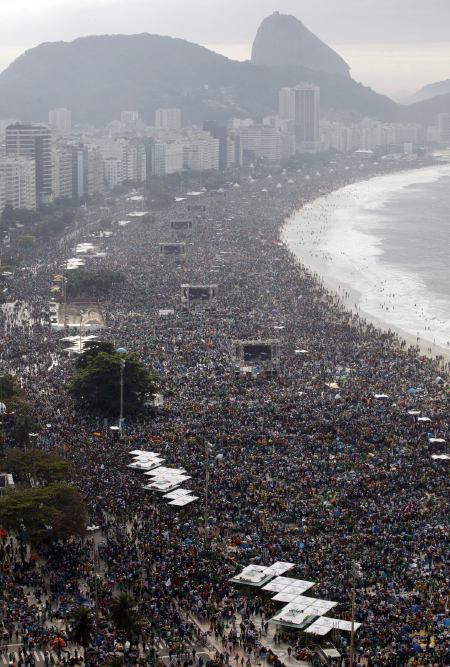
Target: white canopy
{"x": 185, "y": 500}
{"x": 163, "y": 470}
{"x": 323, "y": 625}
{"x": 288, "y": 585}
{"x": 279, "y": 567}
{"x": 179, "y": 493}
{"x": 253, "y": 575}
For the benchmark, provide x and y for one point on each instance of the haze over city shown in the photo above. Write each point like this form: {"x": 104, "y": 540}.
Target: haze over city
{"x": 395, "y": 47}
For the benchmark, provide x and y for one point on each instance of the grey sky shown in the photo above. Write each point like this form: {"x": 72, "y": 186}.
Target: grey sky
{"x": 417, "y": 30}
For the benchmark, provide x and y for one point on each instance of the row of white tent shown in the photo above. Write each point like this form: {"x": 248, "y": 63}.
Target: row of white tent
{"x": 162, "y": 478}
{"x": 301, "y": 612}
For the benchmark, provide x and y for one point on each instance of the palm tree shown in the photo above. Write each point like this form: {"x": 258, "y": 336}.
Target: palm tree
{"x": 124, "y": 616}
{"x": 82, "y": 628}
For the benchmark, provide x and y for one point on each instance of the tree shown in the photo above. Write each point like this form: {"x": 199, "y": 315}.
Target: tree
{"x": 35, "y": 464}
{"x": 97, "y": 385}
{"x": 115, "y": 661}
{"x": 124, "y": 616}
{"x": 56, "y": 511}
{"x": 82, "y": 628}
{"x": 8, "y": 386}
{"x": 26, "y": 241}
{"x": 91, "y": 349}
{"x": 82, "y": 283}
{"x": 19, "y": 420}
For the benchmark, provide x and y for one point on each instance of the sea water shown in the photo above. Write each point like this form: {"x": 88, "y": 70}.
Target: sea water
{"x": 387, "y": 241}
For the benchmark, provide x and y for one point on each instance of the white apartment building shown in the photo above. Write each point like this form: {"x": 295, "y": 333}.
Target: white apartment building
{"x": 113, "y": 172}
{"x": 130, "y": 152}
{"x": 62, "y": 174}
{"x": 2, "y": 190}
{"x": 129, "y": 117}
{"x": 168, "y": 119}
{"x": 167, "y": 158}
{"x": 94, "y": 178}
{"x": 60, "y": 120}
{"x": 201, "y": 154}
{"x": 134, "y": 161}
{"x": 18, "y": 175}
{"x": 264, "y": 141}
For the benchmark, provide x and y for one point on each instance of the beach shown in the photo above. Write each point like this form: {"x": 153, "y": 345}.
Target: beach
{"x": 347, "y": 238}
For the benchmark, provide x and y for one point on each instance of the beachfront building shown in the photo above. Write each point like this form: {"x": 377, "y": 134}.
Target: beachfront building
{"x": 261, "y": 141}
{"x": 301, "y": 106}
{"x": 62, "y": 165}
{"x": 18, "y": 182}
{"x": 201, "y": 153}
{"x": 35, "y": 143}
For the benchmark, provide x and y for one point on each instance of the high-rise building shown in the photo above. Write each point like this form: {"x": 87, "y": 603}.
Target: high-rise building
{"x": 113, "y": 172}
{"x": 201, "y": 154}
{"x": 168, "y": 119}
{"x": 134, "y": 163}
{"x": 301, "y": 105}
{"x": 94, "y": 176}
{"x": 79, "y": 171}
{"x": 62, "y": 171}
{"x": 60, "y": 120}
{"x": 18, "y": 175}
{"x": 261, "y": 141}
{"x": 166, "y": 158}
{"x": 221, "y": 133}
{"x": 34, "y": 142}
{"x": 128, "y": 117}
{"x": 444, "y": 128}
{"x": 2, "y": 190}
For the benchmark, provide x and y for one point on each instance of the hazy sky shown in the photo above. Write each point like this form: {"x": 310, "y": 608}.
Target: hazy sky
{"x": 391, "y": 45}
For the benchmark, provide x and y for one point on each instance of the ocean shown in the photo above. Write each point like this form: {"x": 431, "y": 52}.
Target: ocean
{"x": 386, "y": 243}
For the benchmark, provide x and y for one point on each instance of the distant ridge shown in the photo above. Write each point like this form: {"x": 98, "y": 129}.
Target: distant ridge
{"x": 284, "y": 40}
{"x": 97, "y": 77}
{"x": 432, "y": 90}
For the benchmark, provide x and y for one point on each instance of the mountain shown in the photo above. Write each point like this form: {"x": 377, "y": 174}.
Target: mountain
{"x": 433, "y": 90}
{"x": 99, "y": 76}
{"x": 284, "y": 40}
{"x": 426, "y": 112}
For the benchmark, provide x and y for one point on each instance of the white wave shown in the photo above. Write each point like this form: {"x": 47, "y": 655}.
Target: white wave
{"x": 336, "y": 237}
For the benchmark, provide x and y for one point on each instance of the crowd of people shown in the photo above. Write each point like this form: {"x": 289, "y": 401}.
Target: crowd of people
{"x": 305, "y": 464}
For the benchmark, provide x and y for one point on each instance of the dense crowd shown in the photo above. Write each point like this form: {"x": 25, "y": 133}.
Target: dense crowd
{"x": 305, "y": 464}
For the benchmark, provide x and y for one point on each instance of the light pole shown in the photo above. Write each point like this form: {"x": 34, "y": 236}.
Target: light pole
{"x": 206, "y": 490}
{"x": 356, "y": 572}
{"x": 122, "y": 367}
{"x": 81, "y": 322}
{"x": 121, "y": 350}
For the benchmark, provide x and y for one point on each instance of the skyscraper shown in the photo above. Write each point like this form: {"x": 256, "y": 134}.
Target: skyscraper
{"x": 34, "y": 142}
{"x": 301, "y": 105}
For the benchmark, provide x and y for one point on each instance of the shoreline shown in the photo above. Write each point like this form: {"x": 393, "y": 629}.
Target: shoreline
{"x": 348, "y": 295}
